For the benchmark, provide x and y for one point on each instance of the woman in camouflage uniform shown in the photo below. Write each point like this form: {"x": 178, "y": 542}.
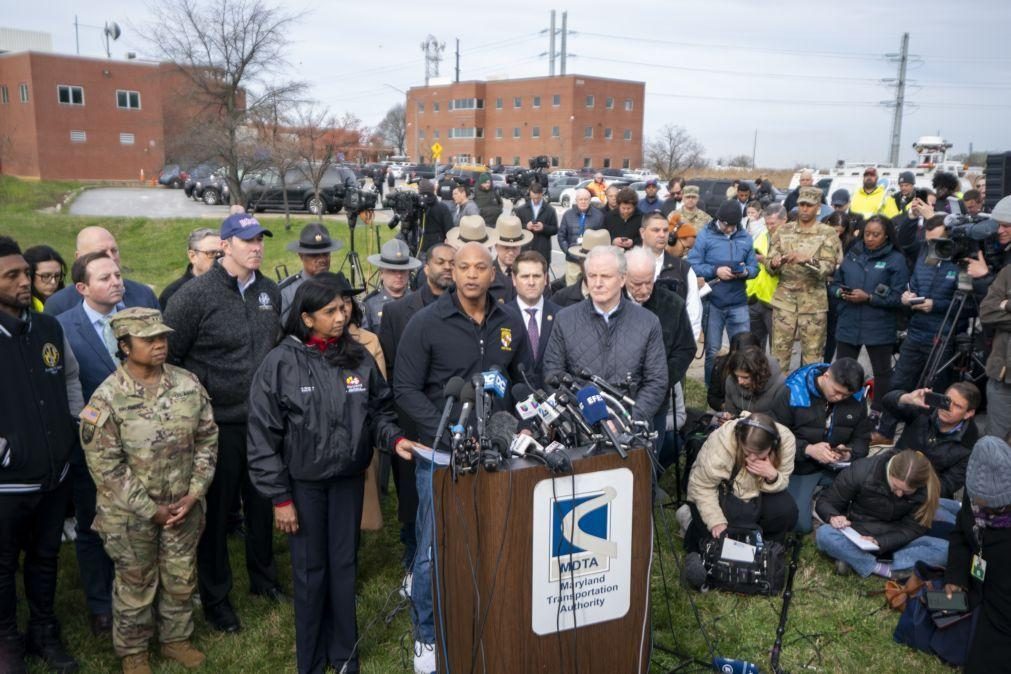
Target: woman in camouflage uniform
{"x": 151, "y": 444}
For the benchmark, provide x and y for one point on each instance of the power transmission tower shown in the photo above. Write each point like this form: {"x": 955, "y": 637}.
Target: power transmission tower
{"x": 433, "y": 55}
{"x": 900, "y": 99}
{"x": 551, "y": 46}
{"x": 565, "y": 37}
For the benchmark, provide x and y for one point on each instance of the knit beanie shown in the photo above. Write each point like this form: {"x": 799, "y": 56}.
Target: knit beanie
{"x": 988, "y": 477}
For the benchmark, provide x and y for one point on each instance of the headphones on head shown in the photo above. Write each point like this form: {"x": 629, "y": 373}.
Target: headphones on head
{"x": 744, "y": 423}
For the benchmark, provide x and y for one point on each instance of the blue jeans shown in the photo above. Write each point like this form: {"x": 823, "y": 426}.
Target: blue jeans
{"x": 421, "y": 584}
{"x": 801, "y": 488}
{"x": 927, "y": 549}
{"x": 733, "y": 319}
{"x": 944, "y": 518}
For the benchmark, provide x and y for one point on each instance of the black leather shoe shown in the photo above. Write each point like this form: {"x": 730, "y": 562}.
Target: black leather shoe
{"x": 274, "y": 594}
{"x": 101, "y": 623}
{"x": 12, "y": 655}
{"x": 44, "y": 642}
{"x": 222, "y": 618}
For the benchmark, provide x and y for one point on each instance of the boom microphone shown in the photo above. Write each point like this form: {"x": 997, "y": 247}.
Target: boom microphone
{"x": 595, "y": 414}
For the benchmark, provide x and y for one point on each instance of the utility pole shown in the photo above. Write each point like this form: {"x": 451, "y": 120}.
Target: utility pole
{"x": 77, "y": 36}
{"x": 551, "y": 46}
{"x": 457, "y": 60}
{"x": 565, "y": 36}
{"x": 754, "y": 149}
{"x": 900, "y": 99}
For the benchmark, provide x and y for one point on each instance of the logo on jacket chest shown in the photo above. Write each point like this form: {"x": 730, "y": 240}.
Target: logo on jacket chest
{"x": 506, "y": 339}
{"x": 353, "y": 384}
{"x": 264, "y": 301}
{"x": 50, "y": 357}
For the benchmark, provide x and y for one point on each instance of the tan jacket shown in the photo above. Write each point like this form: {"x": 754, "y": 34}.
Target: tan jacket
{"x": 715, "y": 463}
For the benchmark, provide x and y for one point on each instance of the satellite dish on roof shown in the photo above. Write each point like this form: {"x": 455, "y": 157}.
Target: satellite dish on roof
{"x": 112, "y": 33}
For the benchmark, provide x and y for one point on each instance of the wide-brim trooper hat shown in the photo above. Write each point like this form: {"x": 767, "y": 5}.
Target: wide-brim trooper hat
{"x": 471, "y": 230}
{"x": 591, "y": 239}
{"x": 394, "y": 255}
{"x": 511, "y": 233}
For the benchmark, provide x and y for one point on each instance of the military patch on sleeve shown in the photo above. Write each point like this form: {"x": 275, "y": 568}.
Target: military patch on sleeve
{"x": 90, "y": 415}
{"x": 92, "y": 419}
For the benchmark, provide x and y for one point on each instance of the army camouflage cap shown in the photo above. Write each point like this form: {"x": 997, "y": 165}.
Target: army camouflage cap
{"x": 690, "y": 190}
{"x": 138, "y": 322}
{"x": 809, "y": 195}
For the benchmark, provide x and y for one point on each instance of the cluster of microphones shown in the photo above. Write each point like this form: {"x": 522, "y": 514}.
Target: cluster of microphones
{"x": 579, "y": 410}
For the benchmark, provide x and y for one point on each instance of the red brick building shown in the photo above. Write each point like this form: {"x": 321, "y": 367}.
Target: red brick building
{"x": 573, "y": 119}
{"x": 73, "y": 117}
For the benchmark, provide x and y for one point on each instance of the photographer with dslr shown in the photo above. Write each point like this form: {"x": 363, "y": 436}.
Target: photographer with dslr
{"x": 739, "y": 479}
{"x": 870, "y": 283}
{"x": 436, "y": 219}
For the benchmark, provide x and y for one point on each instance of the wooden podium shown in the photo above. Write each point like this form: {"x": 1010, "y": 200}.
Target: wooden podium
{"x": 497, "y": 534}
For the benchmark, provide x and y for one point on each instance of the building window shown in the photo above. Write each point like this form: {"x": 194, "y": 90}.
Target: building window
{"x": 421, "y": 134}
{"x": 607, "y": 134}
{"x": 516, "y": 132}
{"x": 555, "y": 132}
{"x": 586, "y": 162}
{"x": 554, "y": 161}
{"x": 497, "y": 160}
{"x": 68, "y": 94}
{"x": 589, "y": 101}
{"x": 466, "y": 104}
{"x": 130, "y": 100}
{"x": 588, "y": 132}
{"x": 517, "y": 101}
{"x": 516, "y": 160}
{"x": 78, "y": 137}
{"x": 537, "y": 101}
{"x": 126, "y": 139}
{"x": 23, "y": 91}
{"x": 435, "y": 133}
{"x": 466, "y": 132}
{"x": 535, "y": 132}
{"x": 498, "y": 103}
{"x": 609, "y": 104}
{"x": 628, "y": 105}
{"x": 435, "y": 106}
{"x": 5, "y": 96}
{"x": 556, "y": 100}
{"x": 607, "y": 162}
{"x": 421, "y": 106}
{"x": 625, "y": 164}
{"x": 498, "y": 133}
{"x": 628, "y": 134}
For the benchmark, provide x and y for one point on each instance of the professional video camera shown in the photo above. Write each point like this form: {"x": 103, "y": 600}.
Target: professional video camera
{"x": 408, "y": 207}
{"x": 518, "y": 184}
{"x": 357, "y": 201}
{"x": 963, "y": 236}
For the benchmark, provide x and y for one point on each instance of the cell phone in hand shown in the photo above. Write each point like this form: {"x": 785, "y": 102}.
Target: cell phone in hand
{"x": 938, "y": 601}
{"x": 917, "y": 300}
{"x": 937, "y": 401}
{"x": 845, "y": 289}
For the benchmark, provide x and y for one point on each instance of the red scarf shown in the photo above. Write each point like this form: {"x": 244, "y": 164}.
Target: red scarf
{"x": 320, "y": 344}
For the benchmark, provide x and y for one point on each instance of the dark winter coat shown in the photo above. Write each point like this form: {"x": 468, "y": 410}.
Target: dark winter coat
{"x": 737, "y": 400}
{"x": 676, "y": 328}
{"x": 489, "y": 205}
{"x": 883, "y": 275}
{"x": 311, "y": 422}
{"x": 938, "y": 283}
{"x": 569, "y": 231}
{"x": 171, "y": 288}
{"x": 547, "y": 217}
{"x": 629, "y": 229}
{"x": 800, "y": 407}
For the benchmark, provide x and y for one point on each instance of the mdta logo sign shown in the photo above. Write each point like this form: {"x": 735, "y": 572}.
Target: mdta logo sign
{"x": 581, "y": 535}
{"x": 582, "y": 550}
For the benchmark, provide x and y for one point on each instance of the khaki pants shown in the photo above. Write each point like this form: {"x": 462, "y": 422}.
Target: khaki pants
{"x": 572, "y": 272}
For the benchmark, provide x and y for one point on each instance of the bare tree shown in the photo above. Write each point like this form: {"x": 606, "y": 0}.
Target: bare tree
{"x": 672, "y": 151}
{"x": 393, "y": 128}
{"x": 317, "y": 150}
{"x": 226, "y": 50}
{"x": 274, "y": 125}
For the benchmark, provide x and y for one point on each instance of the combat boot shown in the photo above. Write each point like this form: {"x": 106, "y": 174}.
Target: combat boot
{"x": 136, "y": 663}
{"x": 183, "y": 653}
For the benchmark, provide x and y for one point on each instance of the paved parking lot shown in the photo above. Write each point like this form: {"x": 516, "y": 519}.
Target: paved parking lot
{"x": 150, "y": 202}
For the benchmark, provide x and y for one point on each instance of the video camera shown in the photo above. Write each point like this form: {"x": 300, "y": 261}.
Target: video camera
{"x": 518, "y": 184}
{"x": 963, "y": 237}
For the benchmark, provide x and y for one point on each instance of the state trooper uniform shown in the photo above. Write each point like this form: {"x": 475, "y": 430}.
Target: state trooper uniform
{"x": 149, "y": 446}
{"x": 800, "y": 303}
{"x": 396, "y": 256}
{"x": 314, "y": 239}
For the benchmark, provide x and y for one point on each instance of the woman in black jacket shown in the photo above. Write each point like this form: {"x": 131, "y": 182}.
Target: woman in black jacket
{"x": 318, "y": 405}
{"x": 887, "y": 502}
{"x": 979, "y": 554}
{"x": 717, "y": 393}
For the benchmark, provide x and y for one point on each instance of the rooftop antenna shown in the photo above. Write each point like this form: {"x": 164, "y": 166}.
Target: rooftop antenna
{"x": 112, "y": 33}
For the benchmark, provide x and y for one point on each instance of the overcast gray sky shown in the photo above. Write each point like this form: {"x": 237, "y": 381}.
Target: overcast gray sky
{"x": 806, "y": 75}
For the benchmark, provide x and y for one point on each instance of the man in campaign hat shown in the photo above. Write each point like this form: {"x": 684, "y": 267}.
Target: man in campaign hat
{"x": 472, "y": 230}
{"x": 395, "y": 265}
{"x": 512, "y": 237}
{"x": 578, "y": 291}
{"x": 313, "y": 247}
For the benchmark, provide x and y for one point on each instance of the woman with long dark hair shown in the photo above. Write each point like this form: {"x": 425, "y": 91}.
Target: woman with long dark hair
{"x": 48, "y": 273}
{"x": 318, "y": 405}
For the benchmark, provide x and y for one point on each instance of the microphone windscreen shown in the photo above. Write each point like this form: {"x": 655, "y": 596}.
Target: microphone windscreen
{"x": 501, "y": 428}
{"x": 592, "y": 405}
{"x": 521, "y": 392}
{"x": 453, "y": 387}
{"x": 467, "y": 393}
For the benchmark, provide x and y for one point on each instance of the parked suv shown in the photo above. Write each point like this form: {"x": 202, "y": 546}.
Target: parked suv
{"x": 712, "y": 193}
{"x": 172, "y": 176}
{"x": 265, "y": 191}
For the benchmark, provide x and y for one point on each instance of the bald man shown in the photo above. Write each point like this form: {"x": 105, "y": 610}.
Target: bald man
{"x": 461, "y": 334}
{"x": 97, "y": 240}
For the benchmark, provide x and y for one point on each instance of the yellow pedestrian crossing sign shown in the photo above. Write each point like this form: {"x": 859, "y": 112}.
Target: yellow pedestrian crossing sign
{"x": 436, "y": 150}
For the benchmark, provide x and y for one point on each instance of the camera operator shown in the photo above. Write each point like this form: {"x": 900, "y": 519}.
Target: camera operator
{"x": 436, "y": 218}
{"x": 488, "y": 200}
{"x": 995, "y": 314}
{"x": 998, "y": 248}
{"x": 932, "y": 287}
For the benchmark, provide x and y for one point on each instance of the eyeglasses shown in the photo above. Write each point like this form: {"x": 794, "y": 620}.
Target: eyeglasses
{"x": 209, "y": 254}
{"x": 49, "y": 278}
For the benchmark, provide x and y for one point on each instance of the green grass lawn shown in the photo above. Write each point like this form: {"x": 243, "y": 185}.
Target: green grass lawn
{"x": 834, "y": 626}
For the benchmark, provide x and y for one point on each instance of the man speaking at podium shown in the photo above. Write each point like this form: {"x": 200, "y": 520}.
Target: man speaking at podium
{"x": 461, "y": 334}
{"x": 611, "y": 336}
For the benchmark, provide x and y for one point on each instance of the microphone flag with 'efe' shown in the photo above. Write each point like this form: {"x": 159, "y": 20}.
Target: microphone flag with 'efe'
{"x": 594, "y": 410}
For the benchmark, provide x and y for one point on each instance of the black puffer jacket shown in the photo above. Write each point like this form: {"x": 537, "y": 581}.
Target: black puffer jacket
{"x": 310, "y": 421}
{"x": 630, "y": 345}
{"x": 676, "y": 327}
{"x": 861, "y": 493}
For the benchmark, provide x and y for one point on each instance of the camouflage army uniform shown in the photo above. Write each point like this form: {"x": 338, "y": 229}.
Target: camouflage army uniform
{"x": 697, "y": 218}
{"x": 800, "y": 303}
{"x": 146, "y": 448}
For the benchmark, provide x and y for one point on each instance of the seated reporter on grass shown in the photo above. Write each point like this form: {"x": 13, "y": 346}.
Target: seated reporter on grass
{"x": 889, "y": 499}
{"x": 739, "y": 480}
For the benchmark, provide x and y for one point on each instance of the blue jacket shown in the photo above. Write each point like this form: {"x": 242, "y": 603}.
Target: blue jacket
{"x": 95, "y": 362}
{"x": 134, "y": 295}
{"x": 938, "y": 283}
{"x": 883, "y": 275}
{"x": 715, "y": 249}
{"x": 646, "y": 206}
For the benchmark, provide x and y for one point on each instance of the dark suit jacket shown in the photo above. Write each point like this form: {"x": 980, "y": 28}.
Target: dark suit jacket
{"x": 542, "y": 239}
{"x": 396, "y": 314}
{"x": 94, "y": 360}
{"x": 547, "y": 323}
{"x": 135, "y": 295}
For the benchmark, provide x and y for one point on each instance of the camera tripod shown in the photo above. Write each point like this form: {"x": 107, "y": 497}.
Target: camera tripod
{"x": 356, "y": 275}
{"x": 963, "y": 355}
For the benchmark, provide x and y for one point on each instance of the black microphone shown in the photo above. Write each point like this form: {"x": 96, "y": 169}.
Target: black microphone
{"x": 606, "y": 386}
{"x": 501, "y": 430}
{"x": 480, "y": 406}
{"x": 451, "y": 392}
{"x": 460, "y": 428}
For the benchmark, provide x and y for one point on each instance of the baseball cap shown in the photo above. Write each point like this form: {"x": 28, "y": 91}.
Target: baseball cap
{"x": 652, "y": 182}
{"x": 840, "y": 197}
{"x": 870, "y": 171}
{"x": 244, "y": 226}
